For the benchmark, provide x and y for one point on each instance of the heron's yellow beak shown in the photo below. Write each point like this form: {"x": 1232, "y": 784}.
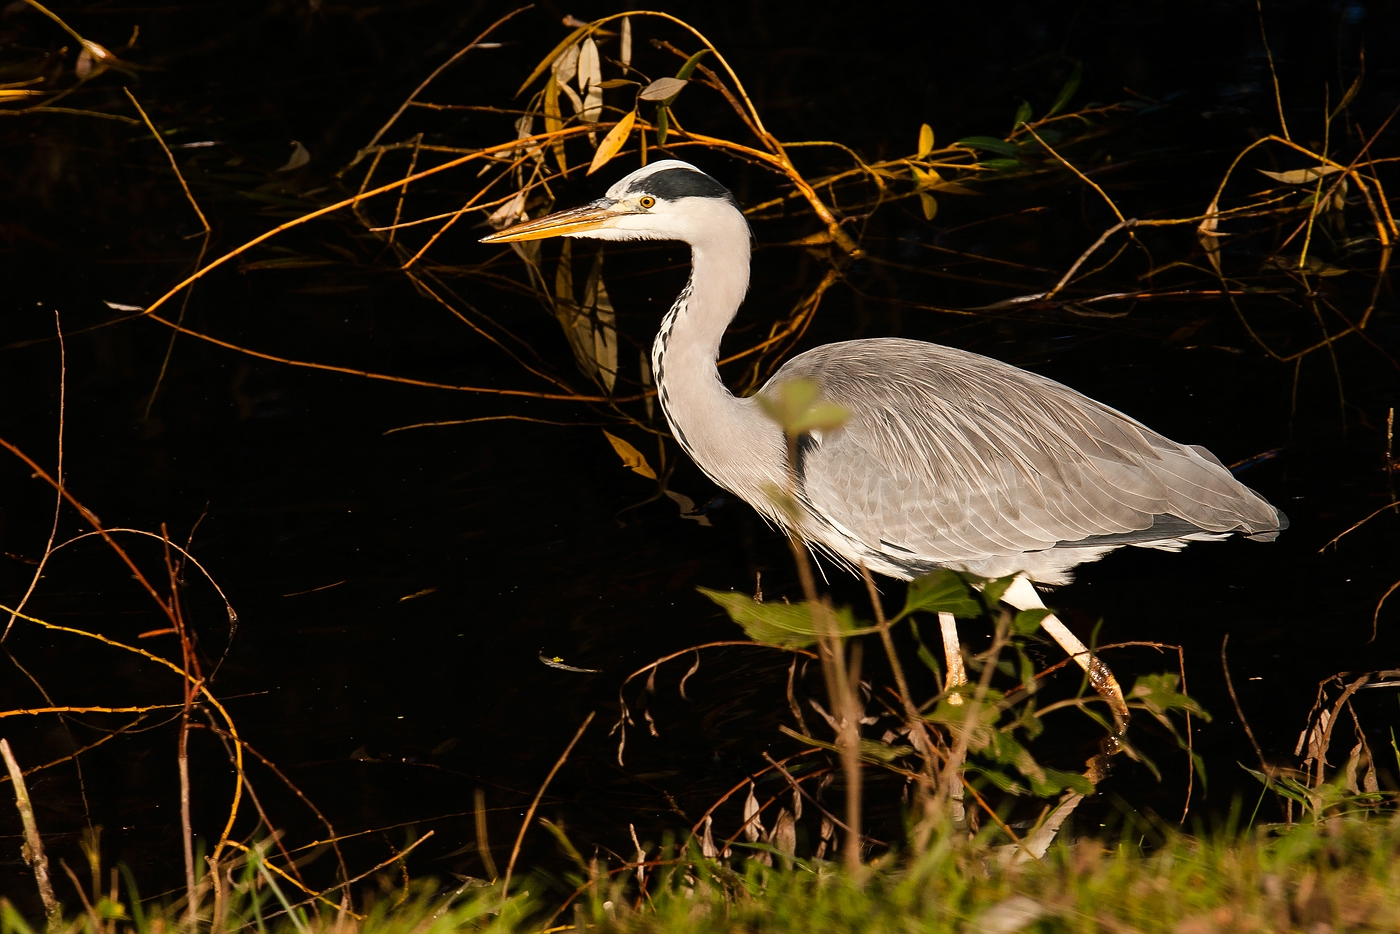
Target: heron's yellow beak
{"x": 593, "y": 216}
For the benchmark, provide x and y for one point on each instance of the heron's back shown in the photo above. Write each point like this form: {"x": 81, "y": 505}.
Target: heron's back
{"x": 952, "y": 458}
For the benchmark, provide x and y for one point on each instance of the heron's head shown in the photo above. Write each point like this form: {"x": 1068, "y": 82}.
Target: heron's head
{"x": 668, "y": 200}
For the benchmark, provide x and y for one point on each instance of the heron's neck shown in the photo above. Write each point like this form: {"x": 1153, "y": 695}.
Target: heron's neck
{"x": 720, "y": 432}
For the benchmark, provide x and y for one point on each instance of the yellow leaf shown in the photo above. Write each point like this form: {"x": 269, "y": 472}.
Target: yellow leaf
{"x": 613, "y": 141}
{"x": 552, "y": 121}
{"x": 930, "y": 205}
{"x": 925, "y": 140}
{"x": 631, "y": 457}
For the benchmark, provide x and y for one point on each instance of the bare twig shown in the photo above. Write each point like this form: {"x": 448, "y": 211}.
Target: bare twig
{"x": 33, "y": 850}
{"x": 530, "y": 814}
{"x": 203, "y": 221}
{"x": 1239, "y": 711}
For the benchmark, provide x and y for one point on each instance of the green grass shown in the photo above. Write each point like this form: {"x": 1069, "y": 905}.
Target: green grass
{"x": 1336, "y": 875}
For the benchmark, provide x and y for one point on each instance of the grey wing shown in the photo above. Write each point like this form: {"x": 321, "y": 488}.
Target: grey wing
{"x": 950, "y": 456}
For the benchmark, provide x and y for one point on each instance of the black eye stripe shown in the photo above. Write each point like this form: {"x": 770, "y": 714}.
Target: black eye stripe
{"x": 672, "y": 184}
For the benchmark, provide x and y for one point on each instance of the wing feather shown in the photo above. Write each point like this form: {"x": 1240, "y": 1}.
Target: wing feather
{"x": 950, "y": 456}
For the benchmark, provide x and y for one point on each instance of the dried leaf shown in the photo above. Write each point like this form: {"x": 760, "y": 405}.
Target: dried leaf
{"x": 753, "y": 824}
{"x": 688, "y": 508}
{"x": 614, "y": 141}
{"x": 84, "y": 66}
{"x": 631, "y": 457}
{"x": 590, "y": 76}
{"x": 300, "y": 157}
{"x": 553, "y": 121}
{"x": 92, "y": 60}
{"x": 784, "y": 836}
{"x": 707, "y": 841}
{"x": 566, "y": 65}
{"x": 508, "y": 213}
{"x": 573, "y": 97}
{"x": 663, "y": 88}
{"x": 649, "y": 402}
{"x": 553, "y": 57}
{"x": 626, "y": 54}
{"x": 602, "y": 319}
{"x": 1302, "y": 176}
{"x": 925, "y": 141}
{"x": 1210, "y": 243}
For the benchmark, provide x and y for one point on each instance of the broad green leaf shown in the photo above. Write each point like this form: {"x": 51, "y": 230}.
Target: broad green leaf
{"x": 1002, "y": 781}
{"x": 1023, "y": 114}
{"x": 789, "y": 625}
{"x": 1026, "y": 622}
{"x": 1157, "y": 694}
{"x": 994, "y": 590}
{"x": 663, "y": 89}
{"x": 632, "y": 458}
{"x": 614, "y": 141}
{"x": 925, "y": 141}
{"x": 1056, "y": 781}
{"x": 940, "y": 591}
{"x": 795, "y": 405}
{"x": 990, "y": 144}
{"x": 1066, "y": 92}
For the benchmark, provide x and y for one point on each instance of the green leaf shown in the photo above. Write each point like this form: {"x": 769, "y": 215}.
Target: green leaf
{"x": 1023, "y": 114}
{"x": 1000, "y": 165}
{"x": 994, "y": 590}
{"x": 941, "y": 591}
{"x": 1057, "y": 781}
{"x": 1066, "y": 92}
{"x": 663, "y": 124}
{"x": 795, "y": 405}
{"x": 1027, "y": 622}
{"x": 1003, "y": 781}
{"x": 688, "y": 68}
{"x": 869, "y": 749}
{"x": 931, "y": 663}
{"x": 990, "y": 144}
{"x": 788, "y": 625}
{"x": 1157, "y": 694}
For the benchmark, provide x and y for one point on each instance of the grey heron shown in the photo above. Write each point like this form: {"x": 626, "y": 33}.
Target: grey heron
{"x": 947, "y": 458}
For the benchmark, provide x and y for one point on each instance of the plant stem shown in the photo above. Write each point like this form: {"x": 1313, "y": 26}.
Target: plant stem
{"x": 33, "y": 849}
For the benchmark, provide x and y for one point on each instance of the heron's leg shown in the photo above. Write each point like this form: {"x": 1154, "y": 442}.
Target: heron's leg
{"x": 1023, "y": 596}
{"x": 957, "y": 675}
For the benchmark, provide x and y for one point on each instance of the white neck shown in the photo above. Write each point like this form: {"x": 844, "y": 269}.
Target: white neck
{"x": 729, "y": 438}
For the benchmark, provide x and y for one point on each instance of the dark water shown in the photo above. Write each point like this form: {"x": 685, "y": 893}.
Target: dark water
{"x": 394, "y": 592}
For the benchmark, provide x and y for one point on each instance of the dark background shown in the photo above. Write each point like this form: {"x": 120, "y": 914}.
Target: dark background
{"x": 389, "y": 712}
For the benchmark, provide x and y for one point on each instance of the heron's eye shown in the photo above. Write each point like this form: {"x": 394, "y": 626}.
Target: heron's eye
{"x": 647, "y": 201}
